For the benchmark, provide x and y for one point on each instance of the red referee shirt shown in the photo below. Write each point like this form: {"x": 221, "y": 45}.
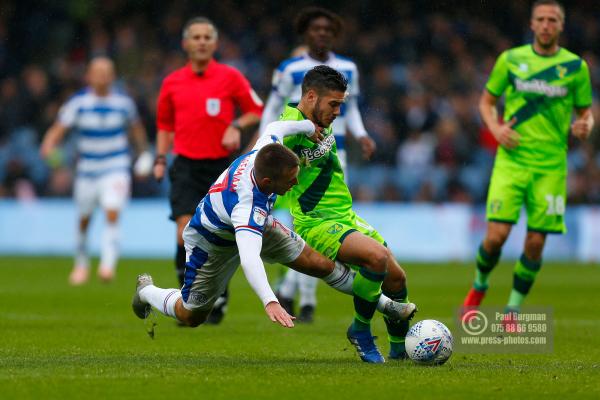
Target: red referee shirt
{"x": 199, "y": 107}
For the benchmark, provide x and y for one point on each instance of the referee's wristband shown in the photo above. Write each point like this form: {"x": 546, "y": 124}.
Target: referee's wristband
{"x": 236, "y": 124}
{"x": 160, "y": 159}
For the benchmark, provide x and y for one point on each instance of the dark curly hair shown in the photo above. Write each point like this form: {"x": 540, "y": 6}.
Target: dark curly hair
{"x": 308, "y": 14}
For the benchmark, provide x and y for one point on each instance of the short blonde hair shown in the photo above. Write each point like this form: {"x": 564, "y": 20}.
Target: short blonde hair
{"x": 549, "y": 3}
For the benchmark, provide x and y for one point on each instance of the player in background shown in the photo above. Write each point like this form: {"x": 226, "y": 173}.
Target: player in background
{"x": 196, "y": 111}
{"x": 321, "y": 206}
{"x": 542, "y": 83}
{"x": 232, "y": 224}
{"x": 101, "y": 115}
{"x": 319, "y": 29}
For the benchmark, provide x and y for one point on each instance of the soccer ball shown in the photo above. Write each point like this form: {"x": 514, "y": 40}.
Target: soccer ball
{"x": 429, "y": 342}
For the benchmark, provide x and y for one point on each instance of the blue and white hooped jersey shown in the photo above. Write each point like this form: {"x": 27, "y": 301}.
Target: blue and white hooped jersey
{"x": 234, "y": 202}
{"x": 287, "y": 81}
{"x": 102, "y": 123}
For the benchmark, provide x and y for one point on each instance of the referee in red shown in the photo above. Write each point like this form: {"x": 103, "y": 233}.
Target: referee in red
{"x": 196, "y": 112}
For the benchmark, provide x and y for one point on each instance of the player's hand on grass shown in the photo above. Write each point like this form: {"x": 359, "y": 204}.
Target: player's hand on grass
{"x": 277, "y": 314}
{"x": 231, "y": 139}
{"x": 581, "y": 128}
{"x": 506, "y": 136}
{"x": 368, "y": 146}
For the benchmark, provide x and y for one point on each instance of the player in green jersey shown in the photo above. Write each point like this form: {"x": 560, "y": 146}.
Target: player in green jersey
{"x": 542, "y": 84}
{"x": 321, "y": 205}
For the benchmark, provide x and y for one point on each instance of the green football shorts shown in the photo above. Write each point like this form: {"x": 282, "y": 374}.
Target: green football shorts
{"x": 326, "y": 236}
{"x": 542, "y": 193}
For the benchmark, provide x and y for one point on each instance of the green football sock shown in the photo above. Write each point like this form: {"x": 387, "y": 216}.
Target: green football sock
{"x": 366, "y": 289}
{"x": 485, "y": 264}
{"x": 397, "y": 330}
{"x": 523, "y": 277}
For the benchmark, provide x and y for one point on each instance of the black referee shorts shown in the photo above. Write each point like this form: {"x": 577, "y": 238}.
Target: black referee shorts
{"x": 190, "y": 181}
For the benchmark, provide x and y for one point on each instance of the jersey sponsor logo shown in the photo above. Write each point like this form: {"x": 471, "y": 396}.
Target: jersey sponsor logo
{"x": 322, "y": 149}
{"x": 540, "y": 87}
{"x": 524, "y": 67}
{"x": 213, "y": 107}
{"x": 259, "y": 216}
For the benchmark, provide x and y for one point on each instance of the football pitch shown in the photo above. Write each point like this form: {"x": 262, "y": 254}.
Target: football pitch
{"x": 62, "y": 342}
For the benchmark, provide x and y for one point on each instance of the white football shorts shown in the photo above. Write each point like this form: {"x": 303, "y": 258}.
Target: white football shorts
{"x": 210, "y": 267}
{"x": 110, "y": 191}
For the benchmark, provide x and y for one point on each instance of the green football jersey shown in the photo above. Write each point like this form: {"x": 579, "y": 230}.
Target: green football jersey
{"x": 321, "y": 191}
{"x": 540, "y": 92}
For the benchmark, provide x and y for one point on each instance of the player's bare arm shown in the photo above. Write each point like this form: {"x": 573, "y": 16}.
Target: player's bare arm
{"x": 53, "y": 137}
{"x": 357, "y": 128}
{"x": 367, "y": 146}
{"x": 233, "y": 134}
{"x": 144, "y": 163}
{"x": 164, "y": 139}
{"x": 583, "y": 124}
{"x": 503, "y": 132}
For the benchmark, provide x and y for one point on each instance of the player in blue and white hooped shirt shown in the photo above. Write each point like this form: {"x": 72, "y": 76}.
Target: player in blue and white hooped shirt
{"x": 319, "y": 28}
{"x": 233, "y": 225}
{"x": 101, "y": 117}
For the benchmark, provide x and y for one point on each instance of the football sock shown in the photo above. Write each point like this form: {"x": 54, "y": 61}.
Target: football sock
{"x": 81, "y": 256}
{"x": 342, "y": 279}
{"x": 180, "y": 264}
{"x": 397, "y": 330}
{"x": 485, "y": 263}
{"x": 162, "y": 299}
{"x": 367, "y": 290}
{"x": 307, "y": 286}
{"x": 523, "y": 277}
{"x": 110, "y": 246}
{"x": 287, "y": 289}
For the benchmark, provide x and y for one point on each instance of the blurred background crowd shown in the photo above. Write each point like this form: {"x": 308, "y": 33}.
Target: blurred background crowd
{"x": 422, "y": 65}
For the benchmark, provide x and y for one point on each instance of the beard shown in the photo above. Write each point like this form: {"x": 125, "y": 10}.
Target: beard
{"x": 318, "y": 115}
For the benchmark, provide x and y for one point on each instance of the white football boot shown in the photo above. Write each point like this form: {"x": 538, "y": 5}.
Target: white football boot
{"x": 140, "y": 308}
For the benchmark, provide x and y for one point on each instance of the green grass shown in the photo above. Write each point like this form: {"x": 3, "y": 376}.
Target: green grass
{"x": 63, "y": 342}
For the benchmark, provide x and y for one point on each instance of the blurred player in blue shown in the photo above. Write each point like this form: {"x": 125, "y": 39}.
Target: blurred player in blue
{"x": 102, "y": 117}
{"x": 232, "y": 226}
{"x": 319, "y": 28}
